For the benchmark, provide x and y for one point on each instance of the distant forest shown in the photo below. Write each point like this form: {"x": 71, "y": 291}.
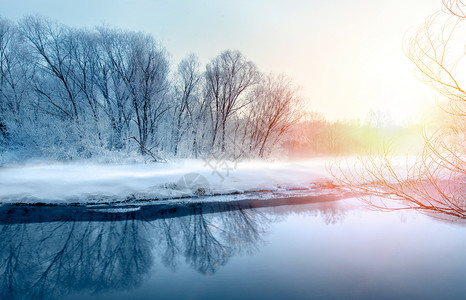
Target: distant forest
{"x": 69, "y": 93}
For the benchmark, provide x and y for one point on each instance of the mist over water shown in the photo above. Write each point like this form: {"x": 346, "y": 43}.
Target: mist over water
{"x": 126, "y": 176}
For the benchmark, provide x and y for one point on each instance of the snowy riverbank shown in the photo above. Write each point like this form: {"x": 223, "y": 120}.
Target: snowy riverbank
{"x": 110, "y": 183}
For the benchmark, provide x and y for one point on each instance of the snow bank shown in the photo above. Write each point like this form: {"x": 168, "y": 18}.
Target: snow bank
{"x": 97, "y": 183}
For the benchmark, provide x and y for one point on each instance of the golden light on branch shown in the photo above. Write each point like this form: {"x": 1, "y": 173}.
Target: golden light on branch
{"x": 433, "y": 180}
{"x": 455, "y": 7}
{"x": 421, "y": 184}
{"x": 438, "y": 57}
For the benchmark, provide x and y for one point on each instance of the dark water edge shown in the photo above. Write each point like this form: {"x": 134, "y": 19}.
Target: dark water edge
{"x": 33, "y": 213}
{"x": 317, "y": 247}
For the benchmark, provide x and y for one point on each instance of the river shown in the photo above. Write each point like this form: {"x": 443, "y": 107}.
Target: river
{"x": 315, "y": 248}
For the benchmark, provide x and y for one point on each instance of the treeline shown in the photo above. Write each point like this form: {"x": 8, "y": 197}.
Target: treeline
{"x": 316, "y": 136}
{"x": 74, "y": 93}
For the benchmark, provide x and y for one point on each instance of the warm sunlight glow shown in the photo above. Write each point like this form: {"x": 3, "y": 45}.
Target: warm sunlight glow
{"x": 266, "y": 149}
{"x": 347, "y": 56}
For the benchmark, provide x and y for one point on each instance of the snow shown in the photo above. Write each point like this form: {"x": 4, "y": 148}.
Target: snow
{"x": 87, "y": 183}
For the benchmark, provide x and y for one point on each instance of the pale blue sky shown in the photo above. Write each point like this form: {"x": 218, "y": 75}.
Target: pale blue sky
{"x": 346, "y": 55}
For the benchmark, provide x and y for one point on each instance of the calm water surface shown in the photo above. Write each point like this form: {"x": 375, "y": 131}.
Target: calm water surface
{"x": 241, "y": 250}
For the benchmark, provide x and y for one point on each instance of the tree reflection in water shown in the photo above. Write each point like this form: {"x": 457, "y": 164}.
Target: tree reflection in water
{"x": 48, "y": 252}
{"x": 43, "y": 260}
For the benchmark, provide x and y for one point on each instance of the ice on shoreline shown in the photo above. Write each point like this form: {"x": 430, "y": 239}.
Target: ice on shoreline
{"x": 105, "y": 183}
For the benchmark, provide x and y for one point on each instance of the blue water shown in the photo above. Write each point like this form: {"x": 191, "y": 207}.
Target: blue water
{"x": 323, "y": 250}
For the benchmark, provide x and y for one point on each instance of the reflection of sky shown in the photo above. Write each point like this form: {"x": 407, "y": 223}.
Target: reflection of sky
{"x": 345, "y": 54}
{"x": 326, "y": 251}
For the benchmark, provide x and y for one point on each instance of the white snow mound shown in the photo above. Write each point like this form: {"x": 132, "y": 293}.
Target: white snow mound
{"x": 92, "y": 183}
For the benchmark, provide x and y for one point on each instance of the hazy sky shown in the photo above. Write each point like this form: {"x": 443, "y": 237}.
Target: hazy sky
{"x": 346, "y": 55}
